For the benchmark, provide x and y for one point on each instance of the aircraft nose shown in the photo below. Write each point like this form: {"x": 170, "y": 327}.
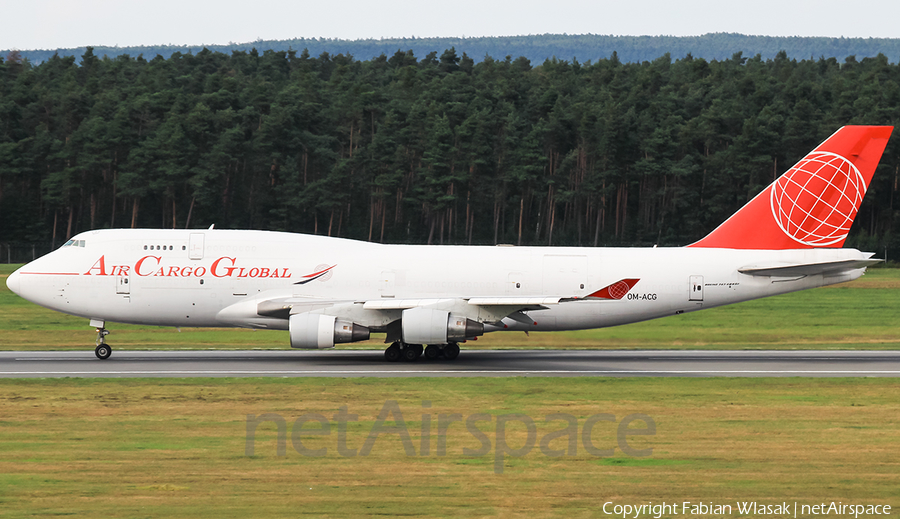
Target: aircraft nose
{"x": 13, "y": 282}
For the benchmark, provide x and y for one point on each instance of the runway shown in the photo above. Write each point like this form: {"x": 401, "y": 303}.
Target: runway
{"x": 471, "y": 363}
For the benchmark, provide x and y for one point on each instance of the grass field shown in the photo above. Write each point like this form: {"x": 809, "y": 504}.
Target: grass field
{"x": 166, "y": 448}
{"x": 178, "y": 447}
{"x": 859, "y": 315}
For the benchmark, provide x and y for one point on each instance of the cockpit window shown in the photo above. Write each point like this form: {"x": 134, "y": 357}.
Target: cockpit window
{"x": 74, "y": 243}
{"x": 69, "y": 243}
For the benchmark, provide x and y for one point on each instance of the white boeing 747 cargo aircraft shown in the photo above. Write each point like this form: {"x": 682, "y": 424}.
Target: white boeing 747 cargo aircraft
{"x": 330, "y": 290}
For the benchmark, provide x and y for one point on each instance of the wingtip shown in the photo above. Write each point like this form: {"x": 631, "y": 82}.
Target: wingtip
{"x": 616, "y": 290}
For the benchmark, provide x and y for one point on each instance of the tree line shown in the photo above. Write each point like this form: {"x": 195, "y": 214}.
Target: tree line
{"x": 432, "y": 149}
{"x": 536, "y": 47}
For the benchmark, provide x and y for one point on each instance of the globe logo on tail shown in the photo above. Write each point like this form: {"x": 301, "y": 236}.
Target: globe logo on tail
{"x": 816, "y": 200}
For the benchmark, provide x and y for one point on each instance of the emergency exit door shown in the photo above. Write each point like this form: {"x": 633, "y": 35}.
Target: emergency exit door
{"x": 195, "y": 246}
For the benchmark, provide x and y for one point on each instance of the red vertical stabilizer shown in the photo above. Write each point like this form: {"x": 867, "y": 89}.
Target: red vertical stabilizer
{"x": 813, "y": 204}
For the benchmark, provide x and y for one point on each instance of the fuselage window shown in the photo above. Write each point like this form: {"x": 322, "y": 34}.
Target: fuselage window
{"x": 145, "y": 247}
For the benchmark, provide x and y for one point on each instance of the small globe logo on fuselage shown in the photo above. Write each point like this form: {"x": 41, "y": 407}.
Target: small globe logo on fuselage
{"x": 816, "y": 200}
{"x": 618, "y": 290}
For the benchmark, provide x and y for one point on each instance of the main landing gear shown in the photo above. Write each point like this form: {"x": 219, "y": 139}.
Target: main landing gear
{"x": 103, "y": 350}
{"x": 411, "y": 352}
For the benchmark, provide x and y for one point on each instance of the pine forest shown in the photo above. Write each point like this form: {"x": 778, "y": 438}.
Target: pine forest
{"x": 431, "y": 149}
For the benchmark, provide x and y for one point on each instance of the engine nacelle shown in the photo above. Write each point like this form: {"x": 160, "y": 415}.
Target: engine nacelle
{"x": 317, "y": 331}
{"x": 430, "y": 326}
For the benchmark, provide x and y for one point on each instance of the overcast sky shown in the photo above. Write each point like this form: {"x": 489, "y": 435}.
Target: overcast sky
{"x": 51, "y": 24}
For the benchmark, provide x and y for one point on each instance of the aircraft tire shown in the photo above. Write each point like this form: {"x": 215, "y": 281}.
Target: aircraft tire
{"x": 451, "y": 351}
{"x": 103, "y": 351}
{"x": 411, "y": 352}
{"x": 392, "y": 353}
{"x": 432, "y": 351}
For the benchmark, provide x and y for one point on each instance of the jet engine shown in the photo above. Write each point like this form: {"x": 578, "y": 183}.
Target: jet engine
{"x": 430, "y": 326}
{"x": 317, "y": 331}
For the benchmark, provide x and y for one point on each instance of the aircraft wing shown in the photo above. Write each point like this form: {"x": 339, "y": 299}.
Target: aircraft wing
{"x": 403, "y": 304}
{"x": 377, "y": 313}
{"x": 614, "y": 291}
{"x": 808, "y": 269}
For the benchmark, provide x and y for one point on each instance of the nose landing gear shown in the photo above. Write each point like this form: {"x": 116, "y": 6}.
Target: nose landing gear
{"x": 103, "y": 350}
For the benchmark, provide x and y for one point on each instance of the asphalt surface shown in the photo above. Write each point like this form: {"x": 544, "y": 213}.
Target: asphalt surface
{"x": 474, "y": 363}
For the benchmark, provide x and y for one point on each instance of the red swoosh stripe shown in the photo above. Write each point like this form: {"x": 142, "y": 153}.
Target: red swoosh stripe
{"x": 320, "y": 272}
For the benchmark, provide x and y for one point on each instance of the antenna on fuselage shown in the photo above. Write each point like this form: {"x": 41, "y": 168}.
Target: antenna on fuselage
{"x": 211, "y": 227}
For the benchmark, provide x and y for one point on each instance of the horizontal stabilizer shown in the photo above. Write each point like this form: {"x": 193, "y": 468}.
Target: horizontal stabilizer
{"x": 808, "y": 269}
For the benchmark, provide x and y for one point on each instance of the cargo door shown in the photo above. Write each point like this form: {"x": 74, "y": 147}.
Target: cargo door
{"x": 123, "y": 286}
{"x": 696, "y": 288}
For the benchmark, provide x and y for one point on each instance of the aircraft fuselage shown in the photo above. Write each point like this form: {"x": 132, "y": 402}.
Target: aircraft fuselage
{"x": 220, "y": 277}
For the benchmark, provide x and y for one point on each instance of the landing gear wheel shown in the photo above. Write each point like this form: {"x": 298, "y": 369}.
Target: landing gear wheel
{"x": 392, "y": 353}
{"x": 103, "y": 351}
{"x": 432, "y": 351}
{"x": 451, "y": 351}
{"x": 411, "y": 352}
